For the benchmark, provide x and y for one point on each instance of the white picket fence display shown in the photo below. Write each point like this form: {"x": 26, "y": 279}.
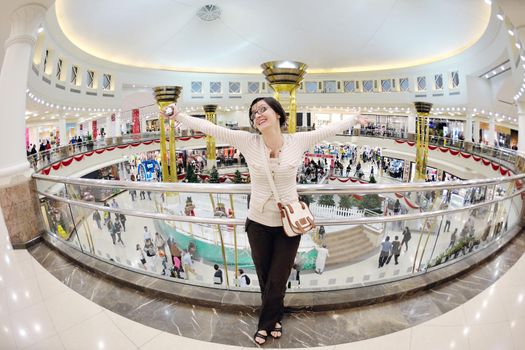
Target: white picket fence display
{"x": 332, "y": 212}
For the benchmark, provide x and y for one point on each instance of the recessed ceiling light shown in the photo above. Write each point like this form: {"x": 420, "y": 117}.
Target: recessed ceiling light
{"x": 511, "y": 33}
{"x": 500, "y": 16}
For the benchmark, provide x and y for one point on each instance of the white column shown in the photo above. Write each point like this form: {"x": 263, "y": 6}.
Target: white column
{"x": 13, "y": 84}
{"x": 143, "y": 123}
{"x": 118, "y": 125}
{"x": 109, "y": 127}
{"x": 62, "y": 130}
{"x": 468, "y": 128}
{"x": 476, "y": 131}
{"x": 491, "y": 135}
{"x": 411, "y": 123}
{"x": 521, "y": 126}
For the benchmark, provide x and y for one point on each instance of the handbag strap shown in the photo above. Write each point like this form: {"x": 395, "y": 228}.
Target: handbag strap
{"x": 266, "y": 167}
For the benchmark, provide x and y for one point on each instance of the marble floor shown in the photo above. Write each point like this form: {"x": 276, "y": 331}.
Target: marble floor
{"x": 64, "y": 307}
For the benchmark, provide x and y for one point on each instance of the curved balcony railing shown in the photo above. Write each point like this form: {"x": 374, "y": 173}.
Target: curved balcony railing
{"x": 44, "y": 159}
{"x": 40, "y": 160}
{"x": 447, "y": 222}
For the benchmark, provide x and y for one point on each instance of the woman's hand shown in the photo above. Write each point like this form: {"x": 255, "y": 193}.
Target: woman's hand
{"x": 170, "y": 111}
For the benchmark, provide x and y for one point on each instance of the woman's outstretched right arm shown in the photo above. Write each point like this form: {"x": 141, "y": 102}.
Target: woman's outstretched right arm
{"x": 236, "y": 138}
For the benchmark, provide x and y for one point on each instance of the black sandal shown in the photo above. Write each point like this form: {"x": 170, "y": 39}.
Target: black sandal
{"x": 277, "y": 329}
{"x": 259, "y": 335}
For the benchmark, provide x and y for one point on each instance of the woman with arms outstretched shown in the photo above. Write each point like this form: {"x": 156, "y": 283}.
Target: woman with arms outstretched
{"x": 273, "y": 252}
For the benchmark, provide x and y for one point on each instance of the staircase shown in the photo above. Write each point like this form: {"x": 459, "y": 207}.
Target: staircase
{"x": 349, "y": 245}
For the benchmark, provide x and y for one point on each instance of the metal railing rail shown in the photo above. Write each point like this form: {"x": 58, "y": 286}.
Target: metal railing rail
{"x": 301, "y": 189}
{"x": 231, "y": 221}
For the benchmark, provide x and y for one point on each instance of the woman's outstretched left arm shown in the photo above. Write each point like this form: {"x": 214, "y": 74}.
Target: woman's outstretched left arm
{"x": 312, "y": 137}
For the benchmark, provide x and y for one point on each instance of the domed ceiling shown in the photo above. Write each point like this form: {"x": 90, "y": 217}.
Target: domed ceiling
{"x": 238, "y": 35}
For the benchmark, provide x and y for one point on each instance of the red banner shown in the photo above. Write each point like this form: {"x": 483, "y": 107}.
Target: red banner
{"x": 136, "y": 121}
{"x": 94, "y": 129}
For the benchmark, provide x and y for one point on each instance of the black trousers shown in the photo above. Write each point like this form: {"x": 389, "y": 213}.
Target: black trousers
{"x": 273, "y": 254}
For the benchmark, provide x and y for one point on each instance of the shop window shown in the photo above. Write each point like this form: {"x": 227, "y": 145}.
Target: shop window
{"x": 253, "y": 87}
{"x": 386, "y": 85}
{"x": 234, "y": 87}
{"x": 350, "y": 86}
{"x": 438, "y": 82}
{"x": 74, "y": 75}
{"x": 196, "y": 87}
{"x": 454, "y": 79}
{"x": 330, "y": 86}
{"x": 421, "y": 83}
{"x": 311, "y": 86}
{"x": 90, "y": 79}
{"x": 46, "y": 61}
{"x": 59, "y": 69}
{"x": 368, "y": 85}
{"x": 215, "y": 87}
{"x": 106, "y": 82}
{"x": 403, "y": 84}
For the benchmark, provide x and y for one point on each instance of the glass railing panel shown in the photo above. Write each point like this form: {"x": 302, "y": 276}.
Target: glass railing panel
{"x": 187, "y": 221}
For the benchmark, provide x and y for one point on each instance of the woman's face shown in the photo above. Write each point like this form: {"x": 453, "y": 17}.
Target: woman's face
{"x": 264, "y": 117}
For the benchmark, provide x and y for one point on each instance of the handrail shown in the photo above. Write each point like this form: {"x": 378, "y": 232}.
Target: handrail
{"x": 233, "y": 221}
{"x": 301, "y": 189}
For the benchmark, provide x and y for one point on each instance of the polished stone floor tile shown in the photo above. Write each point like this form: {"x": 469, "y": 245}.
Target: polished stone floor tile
{"x": 393, "y": 341}
{"x": 53, "y": 343}
{"x": 98, "y": 332}
{"x": 455, "y": 317}
{"x": 481, "y": 337}
{"x": 517, "y": 330}
{"x": 167, "y": 341}
{"x": 68, "y": 309}
{"x": 513, "y": 300}
{"x": 32, "y": 325}
{"x": 439, "y": 338}
{"x": 136, "y": 332}
{"x": 483, "y": 309}
{"x": 22, "y": 294}
{"x": 7, "y": 341}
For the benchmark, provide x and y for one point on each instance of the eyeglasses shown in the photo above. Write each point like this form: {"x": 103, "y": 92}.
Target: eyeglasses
{"x": 259, "y": 111}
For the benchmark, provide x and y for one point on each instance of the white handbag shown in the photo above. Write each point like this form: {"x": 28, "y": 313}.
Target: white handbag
{"x": 296, "y": 217}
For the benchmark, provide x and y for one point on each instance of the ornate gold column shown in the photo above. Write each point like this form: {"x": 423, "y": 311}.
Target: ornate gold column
{"x": 284, "y": 78}
{"x": 211, "y": 116}
{"x": 422, "y": 136}
{"x": 166, "y": 95}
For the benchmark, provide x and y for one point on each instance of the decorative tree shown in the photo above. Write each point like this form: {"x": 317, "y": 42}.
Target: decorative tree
{"x": 347, "y": 201}
{"x": 214, "y": 176}
{"x": 372, "y": 202}
{"x": 237, "y": 179}
{"x": 190, "y": 174}
{"x": 327, "y": 199}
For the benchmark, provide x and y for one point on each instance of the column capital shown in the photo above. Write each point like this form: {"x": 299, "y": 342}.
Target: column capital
{"x": 24, "y": 23}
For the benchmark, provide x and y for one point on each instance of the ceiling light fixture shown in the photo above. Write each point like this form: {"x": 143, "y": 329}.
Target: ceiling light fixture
{"x": 209, "y": 13}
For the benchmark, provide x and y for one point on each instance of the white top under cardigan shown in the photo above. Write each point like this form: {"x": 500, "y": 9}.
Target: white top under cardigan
{"x": 263, "y": 207}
